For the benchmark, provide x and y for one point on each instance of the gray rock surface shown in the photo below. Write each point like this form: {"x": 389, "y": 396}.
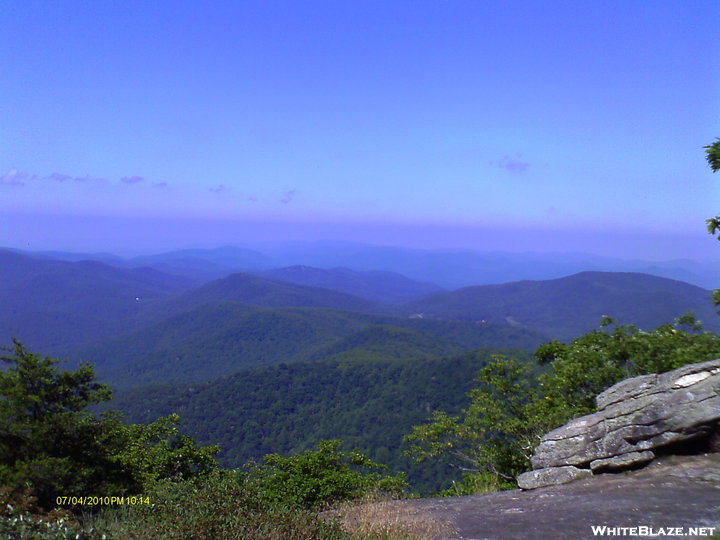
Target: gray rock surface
{"x": 673, "y": 491}
{"x": 551, "y": 476}
{"x": 636, "y": 417}
{"x": 621, "y": 462}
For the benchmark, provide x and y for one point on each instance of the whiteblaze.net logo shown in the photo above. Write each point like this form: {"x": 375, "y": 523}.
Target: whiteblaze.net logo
{"x": 653, "y": 532}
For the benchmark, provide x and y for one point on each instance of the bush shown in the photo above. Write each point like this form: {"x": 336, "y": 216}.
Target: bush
{"x": 222, "y": 506}
{"x": 322, "y": 477}
{"x": 22, "y": 519}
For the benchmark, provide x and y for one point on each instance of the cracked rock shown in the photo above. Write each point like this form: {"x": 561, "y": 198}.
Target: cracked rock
{"x": 634, "y": 418}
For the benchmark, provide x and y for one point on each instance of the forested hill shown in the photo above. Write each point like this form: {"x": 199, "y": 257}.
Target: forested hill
{"x": 289, "y": 407}
{"x": 261, "y": 292}
{"x": 222, "y": 338}
{"x": 55, "y": 305}
{"x": 378, "y": 286}
{"x": 567, "y": 307}
{"x": 141, "y": 326}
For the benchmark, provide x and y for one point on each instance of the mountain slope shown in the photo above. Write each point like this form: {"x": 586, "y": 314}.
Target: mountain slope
{"x": 204, "y": 264}
{"x": 287, "y": 408}
{"x": 55, "y": 305}
{"x": 377, "y": 286}
{"x": 567, "y": 307}
{"x": 223, "y": 338}
{"x": 260, "y": 292}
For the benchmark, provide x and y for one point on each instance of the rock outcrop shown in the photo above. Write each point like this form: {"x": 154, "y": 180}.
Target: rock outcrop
{"x": 636, "y": 419}
{"x": 673, "y": 491}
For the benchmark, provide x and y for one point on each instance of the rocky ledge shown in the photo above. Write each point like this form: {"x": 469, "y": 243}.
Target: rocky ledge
{"x": 672, "y": 493}
{"x": 637, "y": 420}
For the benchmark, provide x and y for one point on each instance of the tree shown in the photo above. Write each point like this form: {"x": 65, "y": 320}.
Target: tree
{"x": 46, "y": 439}
{"x": 712, "y": 155}
{"x": 511, "y": 408}
{"x": 493, "y": 439}
{"x": 49, "y": 442}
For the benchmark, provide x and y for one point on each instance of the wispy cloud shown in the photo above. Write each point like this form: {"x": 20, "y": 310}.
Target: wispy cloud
{"x": 132, "y": 180}
{"x": 14, "y": 177}
{"x": 61, "y": 178}
{"x": 516, "y": 165}
{"x": 288, "y": 196}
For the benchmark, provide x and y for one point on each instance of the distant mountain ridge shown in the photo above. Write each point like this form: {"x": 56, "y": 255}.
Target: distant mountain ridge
{"x": 140, "y": 324}
{"x": 260, "y": 292}
{"x": 379, "y": 286}
{"x": 449, "y": 269}
{"x": 53, "y": 305}
{"x": 567, "y": 307}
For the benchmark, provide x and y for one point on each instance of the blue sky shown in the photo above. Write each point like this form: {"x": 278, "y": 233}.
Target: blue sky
{"x": 564, "y": 126}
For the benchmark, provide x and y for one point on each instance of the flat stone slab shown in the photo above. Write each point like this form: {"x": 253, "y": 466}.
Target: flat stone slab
{"x": 676, "y": 491}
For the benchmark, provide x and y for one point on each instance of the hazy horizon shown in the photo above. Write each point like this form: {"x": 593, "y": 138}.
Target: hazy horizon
{"x": 128, "y": 238}
{"x": 514, "y": 126}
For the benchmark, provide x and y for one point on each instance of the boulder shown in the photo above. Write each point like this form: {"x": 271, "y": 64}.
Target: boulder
{"x": 551, "y": 476}
{"x": 635, "y": 418}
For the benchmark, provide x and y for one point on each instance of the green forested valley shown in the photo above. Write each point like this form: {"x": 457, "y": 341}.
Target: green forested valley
{"x": 369, "y": 404}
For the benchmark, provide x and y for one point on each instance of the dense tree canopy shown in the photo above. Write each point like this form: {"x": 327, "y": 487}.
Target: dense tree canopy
{"x": 50, "y": 443}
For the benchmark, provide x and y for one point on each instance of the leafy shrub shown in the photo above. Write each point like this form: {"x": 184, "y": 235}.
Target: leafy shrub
{"x": 578, "y": 372}
{"x": 22, "y": 519}
{"x": 321, "y": 477}
{"x": 221, "y": 506}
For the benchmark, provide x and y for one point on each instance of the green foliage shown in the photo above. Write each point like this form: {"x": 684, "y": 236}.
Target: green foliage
{"x": 712, "y": 155}
{"x": 49, "y": 442}
{"x": 498, "y": 431}
{"x": 222, "y": 506}
{"x": 713, "y": 225}
{"x": 510, "y": 408}
{"x": 289, "y": 408}
{"x": 150, "y": 452}
{"x": 22, "y": 519}
{"x": 24, "y": 527}
{"x": 321, "y": 477}
{"x": 46, "y": 438}
{"x": 590, "y": 364}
